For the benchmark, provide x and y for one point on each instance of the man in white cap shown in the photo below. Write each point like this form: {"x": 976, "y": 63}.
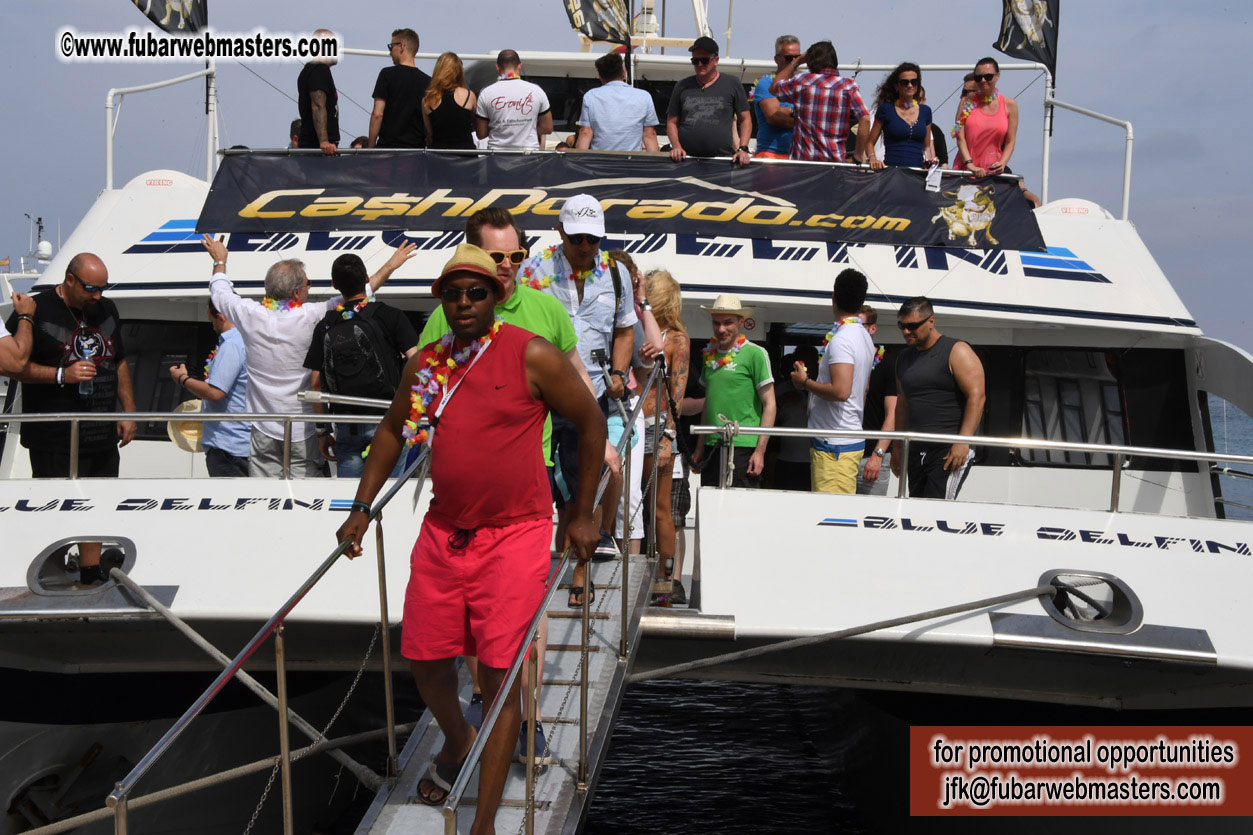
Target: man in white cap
{"x": 738, "y": 386}
{"x": 596, "y": 293}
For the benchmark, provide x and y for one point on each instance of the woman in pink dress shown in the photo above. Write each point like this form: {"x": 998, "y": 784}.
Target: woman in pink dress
{"x": 987, "y": 124}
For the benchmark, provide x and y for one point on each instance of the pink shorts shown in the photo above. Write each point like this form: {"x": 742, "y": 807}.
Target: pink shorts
{"x": 477, "y": 599}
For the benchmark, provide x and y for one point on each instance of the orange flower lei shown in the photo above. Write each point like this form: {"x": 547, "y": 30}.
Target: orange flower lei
{"x": 437, "y": 363}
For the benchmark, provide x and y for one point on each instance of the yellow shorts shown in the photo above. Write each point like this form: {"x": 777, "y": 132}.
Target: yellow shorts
{"x": 832, "y": 472}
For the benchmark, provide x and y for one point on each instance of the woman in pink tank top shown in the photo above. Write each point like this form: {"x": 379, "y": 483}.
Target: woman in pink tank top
{"x": 988, "y": 125}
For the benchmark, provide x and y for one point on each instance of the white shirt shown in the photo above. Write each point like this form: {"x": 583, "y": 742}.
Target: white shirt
{"x": 276, "y": 342}
{"x": 3, "y": 330}
{"x": 512, "y": 107}
{"x": 851, "y": 344}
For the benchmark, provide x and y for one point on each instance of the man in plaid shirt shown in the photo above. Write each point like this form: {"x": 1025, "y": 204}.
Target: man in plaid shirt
{"x": 824, "y": 104}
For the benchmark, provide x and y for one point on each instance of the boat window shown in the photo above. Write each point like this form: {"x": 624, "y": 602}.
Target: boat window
{"x": 1071, "y": 396}
{"x": 151, "y": 348}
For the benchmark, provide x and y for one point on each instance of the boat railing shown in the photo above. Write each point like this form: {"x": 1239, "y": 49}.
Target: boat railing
{"x": 76, "y": 419}
{"x": 119, "y": 799}
{"x": 728, "y": 430}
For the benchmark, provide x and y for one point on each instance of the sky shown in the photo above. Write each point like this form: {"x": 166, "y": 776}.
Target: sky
{"x": 1157, "y": 63}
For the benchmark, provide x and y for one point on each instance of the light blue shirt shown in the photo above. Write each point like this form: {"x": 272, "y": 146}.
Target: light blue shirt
{"x": 617, "y": 114}
{"x": 770, "y": 138}
{"x": 228, "y": 373}
{"x": 593, "y": 319}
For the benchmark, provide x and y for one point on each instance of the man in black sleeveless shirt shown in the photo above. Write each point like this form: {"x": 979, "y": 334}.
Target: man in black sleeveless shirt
{"x": 940, "y": 385}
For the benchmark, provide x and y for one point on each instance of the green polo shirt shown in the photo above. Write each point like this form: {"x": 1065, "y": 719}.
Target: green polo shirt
{"x": 731, "y": 390}
{"x": 539, "y": 313}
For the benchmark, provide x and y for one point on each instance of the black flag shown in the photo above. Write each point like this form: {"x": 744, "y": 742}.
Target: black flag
{"x": 1029, "y": 30}
{"x": 601, "y": 20}
{"x": 176, "y": 16}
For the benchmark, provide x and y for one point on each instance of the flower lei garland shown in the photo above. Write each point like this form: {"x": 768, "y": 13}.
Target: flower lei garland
{"x": 535, "y": 281}
{"x": 710, "y": 351}
{"x": 878, "y": 354}
{"x": 968, "y": 107}
{"x": 274, "y": 304}
{"x": 208, "y": 361}
{"x": 348, "y": 313}
{"x": 436, "y": 365}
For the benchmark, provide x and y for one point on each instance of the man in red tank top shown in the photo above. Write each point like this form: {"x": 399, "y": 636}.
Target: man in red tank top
{"x": 480, "y": 563}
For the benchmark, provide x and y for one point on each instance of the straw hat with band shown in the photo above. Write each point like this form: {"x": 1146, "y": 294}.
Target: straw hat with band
{"x": 728, "y": 303}
{"x": 187, "y": 434}
{"x": 468, "y": 259}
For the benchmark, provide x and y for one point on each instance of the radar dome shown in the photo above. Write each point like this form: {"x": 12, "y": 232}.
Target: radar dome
{"x": 44, "y": 251}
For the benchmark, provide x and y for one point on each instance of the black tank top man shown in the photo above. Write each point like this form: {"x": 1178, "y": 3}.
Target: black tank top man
{"x": 934, "y": 402}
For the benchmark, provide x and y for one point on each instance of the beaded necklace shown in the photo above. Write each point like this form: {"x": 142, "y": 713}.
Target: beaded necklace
{"x": 347, "y": 312}
{"x": 436, "y": 365}
{"x": 274, "y": 304}
{"x": 710, "y": 352}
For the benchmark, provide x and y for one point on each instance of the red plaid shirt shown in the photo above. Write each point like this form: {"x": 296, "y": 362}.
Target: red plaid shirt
{"x": 824, "y": 104}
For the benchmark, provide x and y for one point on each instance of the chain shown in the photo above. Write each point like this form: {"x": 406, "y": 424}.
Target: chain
{"x": 269, "y": 784}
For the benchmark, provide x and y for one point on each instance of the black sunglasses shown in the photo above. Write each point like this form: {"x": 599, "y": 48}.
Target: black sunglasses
{"x": 912, "y": 326}
{"x": 701, "y": 61}
{"x": 987, "y": 76}
{"x": 88, "y": 287}
{"x": 583, "y": 238}
{"x": 907, "y": 82}
{"x": 516, "y": 256}
{"x": 452, "y": 295}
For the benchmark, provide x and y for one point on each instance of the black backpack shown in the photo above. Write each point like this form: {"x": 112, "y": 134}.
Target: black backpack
{"x": 357, "y": 357}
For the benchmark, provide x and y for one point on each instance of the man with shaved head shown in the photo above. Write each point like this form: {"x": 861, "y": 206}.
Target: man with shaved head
{"x": 319, "y": 103}
{"x": 77, "y": 364}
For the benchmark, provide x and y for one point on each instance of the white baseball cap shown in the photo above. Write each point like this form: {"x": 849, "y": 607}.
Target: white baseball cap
{"x": 582, "y": 214}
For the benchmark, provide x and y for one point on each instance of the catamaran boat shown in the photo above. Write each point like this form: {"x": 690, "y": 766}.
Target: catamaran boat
{"x": 1089, "y": 560}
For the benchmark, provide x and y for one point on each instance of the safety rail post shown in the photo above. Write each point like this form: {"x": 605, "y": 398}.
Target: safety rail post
{"x": 658, "y": 408}
{"x": 74, "y": 448}
{"x": 120, "y": 822}
{"x": 581, "y": 784}
{"x": 626, "y": 534}
{"x": 1115, "y": 483}
{"x": 904, "y": 467}
{"x": 1051, "y": 103}
{"x": 1048, "y": 137}
{"x": 385, "y": 630}
{"x": 284, "y": 742}
{"x": 287, "y": 448}
{"x": 532, "y": 715}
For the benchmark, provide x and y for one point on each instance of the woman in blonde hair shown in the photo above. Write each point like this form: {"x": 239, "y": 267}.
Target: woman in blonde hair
{"x": 667, "y": 305}
{"x": 448, "y": 107}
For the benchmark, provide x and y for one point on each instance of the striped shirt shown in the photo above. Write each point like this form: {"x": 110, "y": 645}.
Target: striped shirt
{"x": 824, "y": 104}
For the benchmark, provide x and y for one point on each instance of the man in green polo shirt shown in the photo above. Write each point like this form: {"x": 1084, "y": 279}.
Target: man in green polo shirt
{"x": 496, "y": 231}
{"x": 738, "y": 386}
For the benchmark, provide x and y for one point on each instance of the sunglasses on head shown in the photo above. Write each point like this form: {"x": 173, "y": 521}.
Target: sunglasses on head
{"x": 987, "y": 76}
{"x": 907, "y": 82}
{"x": 451, "y": 295}
{"x": 516, "y": 256}
{"x": 583, "y": 238}
{"x": 966, "y": 92}
{"x": 700, "y": 62}
{"x": 912, "y": 326}
{"x": 88, "y": 287}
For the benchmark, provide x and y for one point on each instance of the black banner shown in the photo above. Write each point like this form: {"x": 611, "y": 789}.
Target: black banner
{"x": 601, "y": 20}
{"x": 263, "y": 193}
{"x": 176, "y": 16}
{"x": 1029, "y": 30}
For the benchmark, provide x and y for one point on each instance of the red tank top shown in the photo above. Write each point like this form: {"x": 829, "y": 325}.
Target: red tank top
{"x": 487, "y": 464}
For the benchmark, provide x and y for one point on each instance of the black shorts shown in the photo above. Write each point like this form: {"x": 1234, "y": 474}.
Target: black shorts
{"x": 565, "y": 453}
{"x": 101, "y": 463}
{"x": 711, "y": 467}
{"x": 927, "y": 477}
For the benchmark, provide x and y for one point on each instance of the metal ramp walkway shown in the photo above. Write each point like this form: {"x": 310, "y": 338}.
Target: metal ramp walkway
{"x": 560, "y": 803}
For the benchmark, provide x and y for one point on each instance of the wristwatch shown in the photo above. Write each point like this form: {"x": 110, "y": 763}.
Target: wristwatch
{"x": 619, "y": 374}
{"x": 743, "y": 148}
{"x": 878, "y": 452}
{"x": 644, "y": 305}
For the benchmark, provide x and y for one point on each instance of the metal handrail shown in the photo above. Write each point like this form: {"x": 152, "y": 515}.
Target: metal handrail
{"x": 976, "y": 440}
{"x": 453, "y": 800}
{"x": 117, "y": 798}
{"x": 730, "y": 429}
{"x": 1050, "y": 102}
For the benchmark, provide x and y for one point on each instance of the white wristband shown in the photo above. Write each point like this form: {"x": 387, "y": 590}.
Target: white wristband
{"x": 60, "y": 376}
